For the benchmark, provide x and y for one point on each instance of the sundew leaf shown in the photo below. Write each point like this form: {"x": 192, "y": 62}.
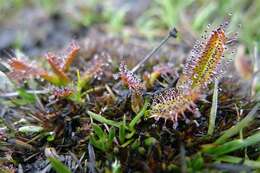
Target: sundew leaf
{"x": 205, "y": 61}
{"x": 204, "y": 65}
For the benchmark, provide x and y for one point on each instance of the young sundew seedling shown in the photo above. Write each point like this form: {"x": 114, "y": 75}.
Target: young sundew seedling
{"x": 205, "y": 64}
{"x": 63, "y": 86}
{"x": 59, "y": 64}
{"x": 130, "y": 80}
{"x": 135, "y": 86}
{"x": 61, "y": 92}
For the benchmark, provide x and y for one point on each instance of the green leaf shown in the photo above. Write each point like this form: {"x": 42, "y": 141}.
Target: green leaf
{"x": 135, "y": 144}
{"x": 130, "y": 135}
{"x": 112, "y": 134}
{"x": 97, "y": 143}
{"x": 127, "y": 143}
{"x": 58, "y": 166}
{"x": 116, "y": 167}
{"x": 150, "y": 141}
{"x": 50, "y": 136}
{"x": 238, "y": 160}
{"x": 99, "y": 131}
{"x": 122, "y": 133}
{"x": 102, "y": 119}
{"x": 26, "y": 98}
{"x": 138, "y": 116}
{"x": 197, "y": 162}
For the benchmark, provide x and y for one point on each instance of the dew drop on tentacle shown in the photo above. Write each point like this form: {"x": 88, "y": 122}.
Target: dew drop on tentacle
{"x": 187, "y": 121}
{"x": 197, "y": 113}
{"x": 175, "y": 125}
{"x": 154, "y": 125}
{"x": 157, "y": 118}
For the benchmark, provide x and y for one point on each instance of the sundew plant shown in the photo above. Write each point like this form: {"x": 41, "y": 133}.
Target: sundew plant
{"x": 115, "y": 100}
{"x": 205, "y": 64}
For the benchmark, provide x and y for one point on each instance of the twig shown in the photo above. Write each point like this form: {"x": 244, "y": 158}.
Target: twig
{"x": 256, "y": 70}
{"x": 14, "y": 94}
{"x": 172, "y": 33}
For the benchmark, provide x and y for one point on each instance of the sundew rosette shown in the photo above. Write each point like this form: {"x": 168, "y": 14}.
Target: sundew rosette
{"x": 206, "y": 63}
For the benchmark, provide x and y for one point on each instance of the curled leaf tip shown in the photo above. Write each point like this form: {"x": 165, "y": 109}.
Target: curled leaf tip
{"x": 130, "y": 80}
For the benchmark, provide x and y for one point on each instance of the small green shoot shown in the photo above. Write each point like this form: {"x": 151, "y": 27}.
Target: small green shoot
{"x": 101, "y": 139}
{"x": 58, "y": 166}
{"x": 126, "y": 131}
{"x": 26, "y": 98}
{"x": 122, "y": 131}
{"x": 116, "y": 167}
{"x": 104, "y": 120}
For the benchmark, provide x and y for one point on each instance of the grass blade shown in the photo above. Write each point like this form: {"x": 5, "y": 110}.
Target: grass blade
{"x": 238, "y": 160}
{"x": 213, "y": 111}
{"x": 233, "y": 145}
{"x": 138, "y": 116}
{"x": 237, "y": 128}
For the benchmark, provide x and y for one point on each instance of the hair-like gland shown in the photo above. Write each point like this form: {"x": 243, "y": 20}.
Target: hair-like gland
{"x": 171, "y": 103}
